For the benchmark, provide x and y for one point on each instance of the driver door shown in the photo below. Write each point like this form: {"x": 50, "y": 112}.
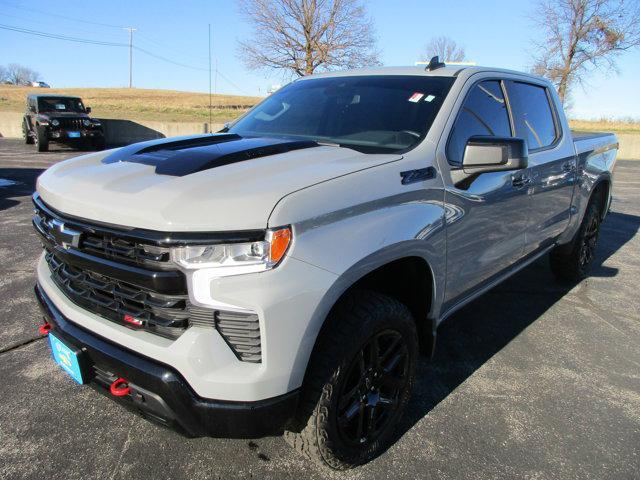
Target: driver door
{"x": 486, "y": 215}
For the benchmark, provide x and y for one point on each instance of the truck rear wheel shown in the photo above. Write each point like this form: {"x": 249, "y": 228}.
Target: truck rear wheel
{"x": 42, "y": 142}
{"x": 572, "y": 262}
{"x": 358, "y": 383}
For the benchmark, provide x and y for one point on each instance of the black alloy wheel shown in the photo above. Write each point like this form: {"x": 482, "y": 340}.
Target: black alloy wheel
{"x": 370, "y": 394}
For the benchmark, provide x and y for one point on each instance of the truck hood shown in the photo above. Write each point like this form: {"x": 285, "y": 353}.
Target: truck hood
{"x": 204, "y": 183}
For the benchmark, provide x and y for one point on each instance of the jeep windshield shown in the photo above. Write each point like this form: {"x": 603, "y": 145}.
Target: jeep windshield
{"x": 60, "y": 104}
{"x": 371, "y": 114}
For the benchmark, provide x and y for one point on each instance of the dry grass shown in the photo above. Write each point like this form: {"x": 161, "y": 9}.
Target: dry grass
{"x": 605, "y": 125}
{"x": 140, "y": 104}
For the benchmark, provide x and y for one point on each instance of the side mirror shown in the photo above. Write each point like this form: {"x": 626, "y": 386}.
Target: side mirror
{"x": 32, "y": 109}
{"x": 87, "y": 109}
{"x": 493, "y": 154}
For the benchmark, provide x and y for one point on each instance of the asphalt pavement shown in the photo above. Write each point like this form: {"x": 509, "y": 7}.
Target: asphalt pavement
{"x": 533, "y": 380}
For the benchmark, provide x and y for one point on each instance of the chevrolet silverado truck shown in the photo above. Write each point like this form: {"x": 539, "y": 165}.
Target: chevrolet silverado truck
{"x": 61, "y": 119}
{"x": 285, "y": 274}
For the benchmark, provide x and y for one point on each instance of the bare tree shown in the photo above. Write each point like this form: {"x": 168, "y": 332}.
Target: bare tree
{"x": 4, "y": 75}
{"x": 582, "y": 35}
{"x": 445, "y": 48}
{"x": 303, "y": 36}
{"x": 20, "y": 75}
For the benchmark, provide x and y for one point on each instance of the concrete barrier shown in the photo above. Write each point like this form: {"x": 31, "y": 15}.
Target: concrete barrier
{"x": 629, "y": 146}
{"x": 11, "y": 124}
{"x": 120, "y": 132}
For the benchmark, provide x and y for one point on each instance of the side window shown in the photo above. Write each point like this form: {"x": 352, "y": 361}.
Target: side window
{"x": 532, "y": 114}
{"x": 484, "y": 112}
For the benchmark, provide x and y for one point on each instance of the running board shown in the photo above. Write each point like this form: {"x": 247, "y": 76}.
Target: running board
{"x": 493, "y": 283}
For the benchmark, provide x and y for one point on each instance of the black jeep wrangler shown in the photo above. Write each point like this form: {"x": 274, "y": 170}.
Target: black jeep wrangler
{"x": 63, "y": 119}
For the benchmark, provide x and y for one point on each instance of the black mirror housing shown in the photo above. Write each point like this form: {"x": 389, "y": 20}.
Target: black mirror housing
{"x": 494, "y": 154}
{"x": 88, "y": 109}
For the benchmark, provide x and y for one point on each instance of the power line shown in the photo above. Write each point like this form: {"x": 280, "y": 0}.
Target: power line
{"x": 61, "y": 37}
{"x": 132, "y": 47}
{"x": 19, "y": 7}
{"x": 145, "y": 38}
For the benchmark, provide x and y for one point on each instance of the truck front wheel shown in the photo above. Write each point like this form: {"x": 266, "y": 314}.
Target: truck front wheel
{"x": 572, "y": 262}
{"x": 358, "y": 383}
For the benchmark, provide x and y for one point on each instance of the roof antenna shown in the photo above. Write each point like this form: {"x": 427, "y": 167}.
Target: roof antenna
{"x": 435, "y": 63}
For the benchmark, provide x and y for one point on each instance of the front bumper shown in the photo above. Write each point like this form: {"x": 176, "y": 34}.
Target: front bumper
{"x": 62, "y": 135}
{"x": 161, "y": 394}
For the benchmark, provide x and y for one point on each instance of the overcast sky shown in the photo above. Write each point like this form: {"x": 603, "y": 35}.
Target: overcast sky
{"x": 494, "y": 32}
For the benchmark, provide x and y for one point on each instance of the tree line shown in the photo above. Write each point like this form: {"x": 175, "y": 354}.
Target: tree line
{"x": 575, "y": 37}
{"x": 16, "y": 74}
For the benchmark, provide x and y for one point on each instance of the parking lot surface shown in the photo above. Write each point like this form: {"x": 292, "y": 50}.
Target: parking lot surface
{"x": 533, "y": 380}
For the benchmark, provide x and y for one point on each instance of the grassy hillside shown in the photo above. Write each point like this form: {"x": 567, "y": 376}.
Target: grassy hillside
{"x": 139, "y": 104}
{"x": 175, "y": 106}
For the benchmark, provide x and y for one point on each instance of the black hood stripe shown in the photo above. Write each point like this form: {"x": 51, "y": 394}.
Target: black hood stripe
{"x": 195, "y": 154}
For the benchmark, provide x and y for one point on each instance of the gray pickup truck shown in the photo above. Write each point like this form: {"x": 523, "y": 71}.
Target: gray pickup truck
{"x": 285, "y": 274}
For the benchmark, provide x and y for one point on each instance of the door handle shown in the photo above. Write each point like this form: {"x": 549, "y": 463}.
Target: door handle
{"x": 520, "y": 181}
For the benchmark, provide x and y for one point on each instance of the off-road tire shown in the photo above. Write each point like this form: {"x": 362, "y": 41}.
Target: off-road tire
{"x": 25, "y": 133}
{"x": 361, "y": 317}
{"x": 42, "y": 142}
{"x": 572, "y": 262}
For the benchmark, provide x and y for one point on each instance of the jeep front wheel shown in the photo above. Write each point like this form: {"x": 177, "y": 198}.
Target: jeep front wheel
{"x": 42, "y": 141}
{"x": 358, "y": 383}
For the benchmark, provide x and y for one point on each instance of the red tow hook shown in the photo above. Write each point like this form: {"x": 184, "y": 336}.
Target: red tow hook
{"x": 44, "y": 329}
{"x": 120, "y": 388}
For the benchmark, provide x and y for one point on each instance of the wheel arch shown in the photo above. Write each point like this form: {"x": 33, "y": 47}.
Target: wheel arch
{"x": 409, "y": 278}
{"x": 601, "y": 192}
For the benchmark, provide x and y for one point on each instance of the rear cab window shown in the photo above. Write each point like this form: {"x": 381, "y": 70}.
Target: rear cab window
{"x": 533, "y": 115}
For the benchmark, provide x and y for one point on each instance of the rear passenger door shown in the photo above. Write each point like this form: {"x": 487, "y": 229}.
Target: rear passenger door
{"x": 486, "y": 218}
{"x": 552, "y": 162}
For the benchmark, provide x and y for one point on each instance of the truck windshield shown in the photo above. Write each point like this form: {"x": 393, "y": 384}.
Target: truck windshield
{"x": 60, "y": 104}
{"x": 372, "y": 114}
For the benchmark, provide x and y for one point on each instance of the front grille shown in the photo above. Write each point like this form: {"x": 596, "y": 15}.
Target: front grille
{"x": 166, "y": 315}
{"x": 97, "y": 289}
{"x": 104, "y": 242}
{"x": 71, "y": 123}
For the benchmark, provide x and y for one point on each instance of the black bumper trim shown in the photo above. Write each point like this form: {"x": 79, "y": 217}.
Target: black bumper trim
{"x": 172, "y": 401}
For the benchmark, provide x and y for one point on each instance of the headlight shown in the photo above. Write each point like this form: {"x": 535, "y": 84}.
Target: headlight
{"x": 55, "y": 122}
{"x": 235, "y": 258}
{"x": 86, "y": 122}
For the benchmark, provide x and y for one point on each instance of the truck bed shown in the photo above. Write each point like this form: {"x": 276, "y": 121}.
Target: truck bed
{"x": 592, "y": 141}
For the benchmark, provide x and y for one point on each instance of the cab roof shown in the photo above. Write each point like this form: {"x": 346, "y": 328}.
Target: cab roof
{"x": 421, "y": 70}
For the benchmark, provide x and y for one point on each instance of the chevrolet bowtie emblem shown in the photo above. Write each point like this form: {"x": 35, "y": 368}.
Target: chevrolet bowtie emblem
{"x": 66, "y": 237}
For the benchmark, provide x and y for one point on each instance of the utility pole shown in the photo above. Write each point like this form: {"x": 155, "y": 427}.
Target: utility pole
{"x": 209, "y": 76}
{"x": 130, "y": 30}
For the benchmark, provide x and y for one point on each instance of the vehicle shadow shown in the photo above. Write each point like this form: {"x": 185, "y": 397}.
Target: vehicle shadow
{"x": 473, "y": 335}
{"x": 124, "y": 132}
{"x": 25, "y": 179}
